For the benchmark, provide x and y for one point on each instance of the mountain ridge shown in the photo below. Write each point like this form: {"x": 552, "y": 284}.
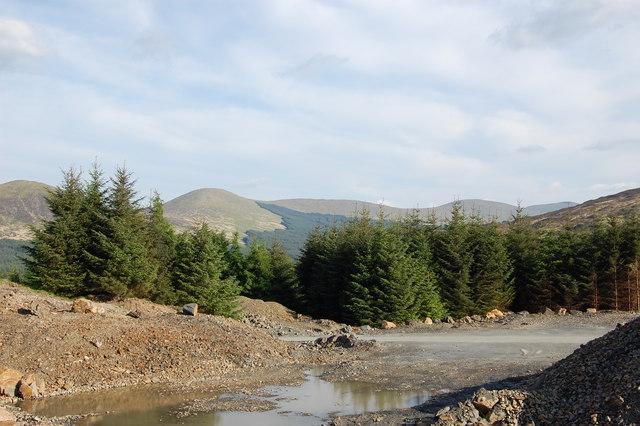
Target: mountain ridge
{"x": 22, "y": 203}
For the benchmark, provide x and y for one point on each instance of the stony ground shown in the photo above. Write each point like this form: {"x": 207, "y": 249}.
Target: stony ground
{"x": 136, "y": 342}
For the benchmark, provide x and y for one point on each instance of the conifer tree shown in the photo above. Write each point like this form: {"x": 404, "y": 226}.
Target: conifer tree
{"x": 55, "y": 261}
{"x": 259, "y": 272}
{"x": 127, "y": 271}
{"x": 284, "y": 285}
{"x": 491, "y": 268}
{"x": 419, "y": 237}
{"x": 161, "y": 247}
{"x": 318, "y": 273}
{"x": 197, "y": 274}
{"x": 97, "y": 225}
{"x": 454, "y": 261}
{"x": 565, "y": 275}
{"x": 523, "y": 242}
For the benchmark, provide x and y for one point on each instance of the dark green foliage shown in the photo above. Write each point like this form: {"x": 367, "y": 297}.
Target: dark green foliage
{"x": 55, "y": 262}
{"x": 284, "y": 284}
{"x": 259, "y": 274}
{"x": 454, "y": 260}
{"x": 161, "y": 249}
{"x": 564, "y": 280}
{"x": 609, "y": 260}
{"x": 364, "y": 271}
{"x": 102, "y": 243}
{"x": 127, "y": 267}
{"x": 197, "y": 273}
{"x": 523, "y": 243}
{"x": 491, "y": 269}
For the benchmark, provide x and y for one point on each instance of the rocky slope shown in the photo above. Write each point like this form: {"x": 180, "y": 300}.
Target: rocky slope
{"x": 22, "y": 203}
{"x": 622, "y": 204}
{"x": 597, "y": 384}
{"x": 39, "y": 334}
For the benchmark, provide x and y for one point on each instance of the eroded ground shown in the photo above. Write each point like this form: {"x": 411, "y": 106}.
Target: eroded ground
{"x": 190, "y": 357}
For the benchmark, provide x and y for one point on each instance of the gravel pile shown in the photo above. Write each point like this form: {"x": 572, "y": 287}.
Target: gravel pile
{"x": 597, "y": 384}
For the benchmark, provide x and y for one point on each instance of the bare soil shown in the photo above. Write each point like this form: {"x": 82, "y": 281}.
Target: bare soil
{"x": 76, "y": 352}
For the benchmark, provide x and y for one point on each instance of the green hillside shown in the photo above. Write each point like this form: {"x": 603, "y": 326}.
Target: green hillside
{"x": 298, "y": 225}
{"x": 222, "y": 209}
{"x": 10, "y": 253}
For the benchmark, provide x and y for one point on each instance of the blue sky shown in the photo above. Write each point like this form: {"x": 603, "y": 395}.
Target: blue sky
{"x": 411, "y": 102}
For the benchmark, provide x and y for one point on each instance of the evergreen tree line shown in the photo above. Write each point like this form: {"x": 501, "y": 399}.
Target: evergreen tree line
{"x": 366, "y": 270}
{"x": 103, "y": 243}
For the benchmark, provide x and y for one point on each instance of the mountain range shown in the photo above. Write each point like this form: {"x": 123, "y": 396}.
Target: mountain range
{"x": 22, "y": 203}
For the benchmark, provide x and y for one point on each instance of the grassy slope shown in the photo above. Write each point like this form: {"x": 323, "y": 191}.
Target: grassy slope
{"x": 298, "y": 225}
{"x": 222, "y": 209}
{"x": 621, "y": 204}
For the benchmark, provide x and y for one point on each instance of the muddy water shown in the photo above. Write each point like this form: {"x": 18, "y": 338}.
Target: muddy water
{"x": 309, "y": 404}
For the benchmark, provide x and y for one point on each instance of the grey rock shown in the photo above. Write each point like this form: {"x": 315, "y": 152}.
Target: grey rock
{"x": 190, "y": 309}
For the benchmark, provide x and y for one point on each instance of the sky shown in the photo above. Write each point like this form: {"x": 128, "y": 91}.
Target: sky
{"x": 413, "y": 103}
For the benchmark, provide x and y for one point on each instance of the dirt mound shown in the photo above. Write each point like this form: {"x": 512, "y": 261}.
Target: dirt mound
{"x": 599, "y": 383}
{"x": 73, "y": 351}
{"x": 271, "y": 311}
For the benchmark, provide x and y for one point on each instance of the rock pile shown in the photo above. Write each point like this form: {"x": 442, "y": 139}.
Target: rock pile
{"x": 16, "y": 383}
{"x": 339, "y": 340}
{"x": 599, "y": 383}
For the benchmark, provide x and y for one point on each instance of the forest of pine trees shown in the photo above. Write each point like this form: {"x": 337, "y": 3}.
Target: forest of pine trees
{"x": 103, "y": 243}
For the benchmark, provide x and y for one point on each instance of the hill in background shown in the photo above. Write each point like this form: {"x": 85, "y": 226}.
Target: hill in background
{"x": 22, "y": 203}
{"x": 622, "y": 204}
{"x": 221, "y": 209}
{"x": 485, "y": 209}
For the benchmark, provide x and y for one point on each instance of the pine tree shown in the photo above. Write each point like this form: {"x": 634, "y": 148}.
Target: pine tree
{"x": 631, "y": 255}
{"x": 284, "y": 284}
{"x": 454, "y": 260}
{"x": 523, "y": 242}
{"x": 55, "y": 256}
{"x": 318, "y": 273}
{"x": 161, "y": 248}
{"x": 259, "y": 272}
{"x": 419, "y": 235}
{"x": 490, "y": 275}
{"x": 97, "y": 225}
{"x": 197, "y": 274}
{"x": 235, "y": 260}
{"x": 127, "y": 271}
{"x": 565, "y": 274}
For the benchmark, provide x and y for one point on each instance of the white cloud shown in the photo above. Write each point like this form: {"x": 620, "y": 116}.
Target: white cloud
{"x": 19, "y": 43}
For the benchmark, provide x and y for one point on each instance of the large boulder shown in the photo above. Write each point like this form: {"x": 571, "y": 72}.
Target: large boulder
{"x": 15, "y": 383}
{"x": 84, "y": 306}
{"x": 9, "y": 379}
{"x": 386, "y": 325}
{"x": 190, "y": 309}
{"x": 496, "y": 313}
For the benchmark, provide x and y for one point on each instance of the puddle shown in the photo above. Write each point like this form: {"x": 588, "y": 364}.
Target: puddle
{"x": 308, "y": 404}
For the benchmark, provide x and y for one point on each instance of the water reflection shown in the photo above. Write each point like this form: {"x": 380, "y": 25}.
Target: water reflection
{"x": 309, "y": 404}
